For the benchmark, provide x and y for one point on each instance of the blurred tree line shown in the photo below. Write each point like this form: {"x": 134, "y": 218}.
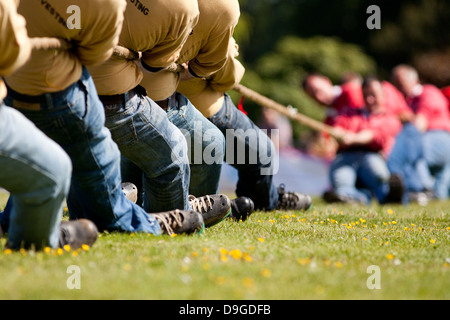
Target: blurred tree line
{"x": 282, "y": 40}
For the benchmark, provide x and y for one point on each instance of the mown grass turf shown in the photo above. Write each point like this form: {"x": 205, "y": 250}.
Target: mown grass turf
{"x": 324, "y": 253}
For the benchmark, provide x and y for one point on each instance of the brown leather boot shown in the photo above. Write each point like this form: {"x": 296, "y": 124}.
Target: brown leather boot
{"x": 180, "y": 222}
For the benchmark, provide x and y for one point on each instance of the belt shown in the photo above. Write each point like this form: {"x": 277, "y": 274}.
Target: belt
{"x": 36, "y": 103}
{"x": 119, "y": 98}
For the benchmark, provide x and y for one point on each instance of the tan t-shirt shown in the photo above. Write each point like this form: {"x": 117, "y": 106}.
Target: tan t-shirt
{"x": 207, "y": 95}
{"x": 158, "y": 29}
{"x": 14, "y": 43}
{"x": 100, "y": 22}
{"x": 206, "y": 49}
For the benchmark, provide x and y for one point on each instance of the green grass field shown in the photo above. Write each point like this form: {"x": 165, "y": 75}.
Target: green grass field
{"x": 324, "y": 253}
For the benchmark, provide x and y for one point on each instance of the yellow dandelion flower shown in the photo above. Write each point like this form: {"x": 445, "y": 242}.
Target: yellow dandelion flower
{"x": 448, "y": 228}
{"x": 304, "y": 261}
{"x": 59, "y": 251}
{"x": 432, "y": 241}
{"x": 74, "y": 253}
{"x": 205, "y": 249}
{"x": 365, "y": 239}
{"x": 266, "y": 273}
{"x": 194, "y": 254}
{"x": 7, "y": 251}
{"x": 384, "y": 223}
{"x": 259, "y": 221}
{"x": 338, "y": 264}
{"x": 247, "y": 257}
{"x": 173, "y": 235}
{"x": 326, "y": 262}
{"x": 206, "y": 266}
{"x": 394, "y": 222}
{"x": 223, "y": 258}
{"x": 390, "y": 211}
{"x": 236, "y": 254}
{"x": 85, "y": 247}
{"x": 47, "y": 250}
{"x": 386, "y": 243}
{"x": 272, "y": 221}
{"x": 390, "y": 256}
{"x": 23, "y": 251}
{"x": 261, "y": 239}
{"x": 413, "y": 225}
{"x": 406, "y": 228}
{"x": 247, "y": 282}
{"x": 220, "y": 280}
{"x": 67, "y": 247}
{"x": 293, "y": 215}
{"x": 127, "y": 267}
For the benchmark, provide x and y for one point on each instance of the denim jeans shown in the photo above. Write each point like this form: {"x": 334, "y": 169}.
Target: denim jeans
{"x": 368, "y": 170}
{"x": 254, "y": 177}
{"x": 153, "y": 150}
{"x": 206, "y": 145}
{"x": 407, "y": 159}
{"x": 76, "y": 121}
{"x": 36, "y": 172}
{"x": 436, "y": 149}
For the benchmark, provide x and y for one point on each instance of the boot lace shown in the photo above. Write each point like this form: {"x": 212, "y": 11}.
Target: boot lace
{"x": 169, "y": 221}
{"x": 202, "y": 204}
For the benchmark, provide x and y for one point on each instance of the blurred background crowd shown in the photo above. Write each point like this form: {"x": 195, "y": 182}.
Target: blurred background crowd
{"x": 281, "y": 42}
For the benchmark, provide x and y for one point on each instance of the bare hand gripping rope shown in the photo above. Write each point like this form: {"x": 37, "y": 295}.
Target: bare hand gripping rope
{"x": 125, "y": 53}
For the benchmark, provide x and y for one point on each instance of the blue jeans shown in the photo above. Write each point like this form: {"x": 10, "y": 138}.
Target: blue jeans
{"x": 76, "y": 121}
{"x": 206, "y": 145}
{"x": 436, "y": 149}
{"x": 254, "y": 177}
{"x": 407, "y": 159}
{"x": 368, "y": 169}
{"x": 154, "y": 149}
{"x": 36, "y": 172}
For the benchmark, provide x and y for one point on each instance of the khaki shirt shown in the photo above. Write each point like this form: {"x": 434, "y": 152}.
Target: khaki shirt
{"x": 14, "y": 43}
{"x": 158, "y": 29}
{"x": 207, "y": 95}
{"x": 100, "y": 22}
{"x": 206, "y": 49}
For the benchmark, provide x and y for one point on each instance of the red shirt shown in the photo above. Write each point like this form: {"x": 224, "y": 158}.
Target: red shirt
{"x": 394, "y": 100}
{"x": 446, "y": 92}
{"x": 385, "y": 127}
{"x": 351, "y": 97}
{"x": 433, "y": 105}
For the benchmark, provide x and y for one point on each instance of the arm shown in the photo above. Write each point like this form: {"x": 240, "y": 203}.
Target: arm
{"x": 14, "y": 42}
{"x": 94, "y": 48}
